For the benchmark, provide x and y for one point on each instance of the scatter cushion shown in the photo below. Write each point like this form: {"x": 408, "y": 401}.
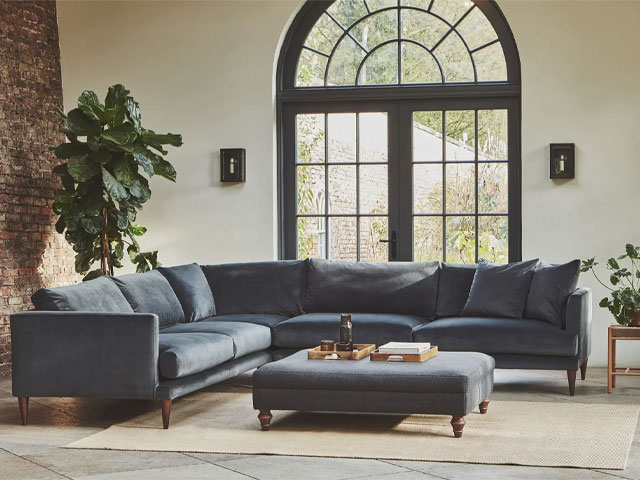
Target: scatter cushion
{"x": 499, "y": 290}
{"x": 453, "y": 288}
{"x": 274, "y": 288}
{"x": 150, "y": 292}
{"x": 183, "y": 354}
{"x": 403, "y": 288}
{"x": 550, "y": 288}
{"x": 98, "y": 295}
{"x": 192, "y": 289}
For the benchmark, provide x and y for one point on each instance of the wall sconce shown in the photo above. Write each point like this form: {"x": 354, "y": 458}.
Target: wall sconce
{"x": 232, "y": 165}
{"x": 562, "y": 160}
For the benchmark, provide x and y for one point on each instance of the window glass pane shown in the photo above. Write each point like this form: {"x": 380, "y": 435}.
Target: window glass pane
{"x": 374, "y": 189}
{"x": 343, "y": 67}
{"x": 376, "y": 29}
{"x": 310, "y": 138}
{"x": 418, "y": 65}
{"x": 311, "y": 68}
{"x": 310, "y": 181}
{"x": 455, "y": 60}
{"x": 373, "y": 131}
{"x": 461, "y": 188}
{"x": 427, "y": 239}
{"x": 381, "y": 67}
{"x": 461, "y": 240}
{"x": 492, "y": 188}
{"x": 342, "y": 189}
{"x": 494, "y": 234}
{"x": 422, "y": 27}
{"x": 347, "y": 11}
{"x": 427, "y": 188}
{"x": 492, "y": 135}
{"x": 427, "y": 136}
{"x": 451, "y": 10}
{"x": 424, "y": 4}
{"x": 490, "y": 64}
{"x": 343, "y": 238}
{"x": 460, "y": 131}
{"x": 372, "y": 230}
{"x": 476, "y": 29}
{"x": 378, "y": 4}
{"x": 324, "y": 34}
{"x": 311, "y": 237}
{"x": 342, "y": 137}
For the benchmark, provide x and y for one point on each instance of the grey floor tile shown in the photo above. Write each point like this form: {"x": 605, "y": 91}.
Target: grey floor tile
{"x": 5, "y": 384}
{"x": 201, "y": 471}
{"x": 410, "y": 475}
{"x": 38, "y": 440}
{"x": 218, "y": 457}
{"x": 17, "y": 468}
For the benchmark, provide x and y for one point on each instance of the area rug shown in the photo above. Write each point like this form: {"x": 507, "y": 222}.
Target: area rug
{"x": 556, "y": 434}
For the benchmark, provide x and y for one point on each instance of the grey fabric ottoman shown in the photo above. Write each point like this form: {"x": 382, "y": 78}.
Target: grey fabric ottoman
{"x": 452, "y": 383}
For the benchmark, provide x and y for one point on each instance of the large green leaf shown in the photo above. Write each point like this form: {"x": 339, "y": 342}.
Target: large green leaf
{"x": 114, "y": 188}
{"x": 133, "y": 112}
{"x": 101, "y": 156}
{"x": 69, "y": 149}
{"x": 163, "y": 168}
{"x": 139, "y": 188}
{"x": 124, "y": 134}
{"x": 143, "y": 159}
{"x": 93, "y": 274}
{"x": 82, "y": 125}
{"x": 116, "y": 96}
{"x": 153, "y": 138}
{"x": 91, "y": 225}
{"x": 125, "y": 170}
{"x": 81, "y": 168}
{"x": 88, "y": 102}
{"x": 137, "y": 230}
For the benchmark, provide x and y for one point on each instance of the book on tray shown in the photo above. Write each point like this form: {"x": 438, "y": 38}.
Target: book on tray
{"x": 404, "y": 348}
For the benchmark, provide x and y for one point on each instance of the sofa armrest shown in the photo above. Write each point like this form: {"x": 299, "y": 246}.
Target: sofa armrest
{"x": 578, "y": 320}
{"x": 84, "y": 354}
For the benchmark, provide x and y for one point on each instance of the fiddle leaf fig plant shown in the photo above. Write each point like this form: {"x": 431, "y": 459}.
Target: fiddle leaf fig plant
{"x": 108, "y": 158}
{"x": 624, "y": 300}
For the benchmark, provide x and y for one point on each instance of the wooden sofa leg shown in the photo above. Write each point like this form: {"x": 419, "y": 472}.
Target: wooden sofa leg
{"x": 571, "y": 376}
{"x": 583, "y": 370}
{"x": 457, "y": 422}
{"x": 265, "y": 419}
{"x": 166, "y": 413}
{"x": 23, "y": 402}
{"x": 484, "y": 406}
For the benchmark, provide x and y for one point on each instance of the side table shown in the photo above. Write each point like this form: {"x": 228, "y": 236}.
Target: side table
{"x": 618, "y": 332}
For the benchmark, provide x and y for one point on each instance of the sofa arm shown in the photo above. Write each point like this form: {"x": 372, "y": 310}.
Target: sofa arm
{"x": 578, "y": 320}
{"x": 84, "y": 354}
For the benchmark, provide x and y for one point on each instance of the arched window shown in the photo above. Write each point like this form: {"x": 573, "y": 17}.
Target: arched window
{"x": 399, "y": 132}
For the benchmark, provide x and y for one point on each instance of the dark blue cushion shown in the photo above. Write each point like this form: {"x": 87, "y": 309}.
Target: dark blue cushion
{"x": 183, "y": 354}
{"x": 453, "y": 288}
{"x": 257, "y": 318}
{"x": 499, "y": 290}
{"x": 150, "y": 292}
{"x": 498, "y": 335}
{"x": 307, "y": 330}
{"x": 404, "y": 288}
{"x": 550, "y": 288}
{"x": 192, "y": 289}
{"x": 98, "y": 295}
{"x": 275, "y": 288}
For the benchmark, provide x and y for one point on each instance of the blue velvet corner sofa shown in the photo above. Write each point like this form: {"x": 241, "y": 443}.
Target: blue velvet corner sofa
{"x": 172, "y": 331}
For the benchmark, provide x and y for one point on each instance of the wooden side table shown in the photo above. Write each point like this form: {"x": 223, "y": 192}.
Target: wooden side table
{"x": 618, "y": 332}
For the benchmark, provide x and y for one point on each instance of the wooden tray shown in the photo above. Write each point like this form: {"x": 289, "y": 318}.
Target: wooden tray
{"x": 406, "y": 357}
{"x": 364, "y": 349}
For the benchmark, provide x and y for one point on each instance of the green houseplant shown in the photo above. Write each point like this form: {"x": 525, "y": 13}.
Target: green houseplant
{"x": 104, "y": 186}
{"x": 624, "y": 300}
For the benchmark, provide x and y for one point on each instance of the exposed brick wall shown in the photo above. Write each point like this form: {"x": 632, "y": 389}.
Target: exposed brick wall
{"x": 32, "y": 254}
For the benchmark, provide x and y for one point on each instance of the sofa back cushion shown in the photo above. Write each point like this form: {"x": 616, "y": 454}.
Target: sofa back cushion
{"x": 192, "y": 289}
{"x": 150, "y": 292}
{"x": 274, "y": 288}
{"x": 405, "y": 288}
{"x": 453, "y": 289}
{"x": 98, "y": 295}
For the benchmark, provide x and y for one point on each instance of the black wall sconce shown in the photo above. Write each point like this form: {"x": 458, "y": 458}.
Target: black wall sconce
{"x": 232, "y": 165}
{"x": 562, "y": 160}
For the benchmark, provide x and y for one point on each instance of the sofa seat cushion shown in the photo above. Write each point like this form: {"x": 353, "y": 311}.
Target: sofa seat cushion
{"x": 192, "y": 289}
{"x": 498, "y": 335}
{"x": 257, "y": 318}
{"x": 247, "y": 337}
{"x": 183, "y": 354}
{"x": 308, "y": 330}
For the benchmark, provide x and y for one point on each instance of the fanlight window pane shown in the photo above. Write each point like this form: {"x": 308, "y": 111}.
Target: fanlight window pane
{"x": 422, "y": 27}
{"x": 490, "y": 64}
{"x": 311, "y": 68}
{"x": 343, "y": 67}
{"x": 310, "y": 138}
{"x": 493, "y": 234}
{"x": 492, "y": 135}
{"x": 451, "y": 10}
{"x": 347, "y": 11}
{"x": 455, "y": 59}
{"x": 418, "y": 65}
{"x": 377, "y": 29}
{"x": 381, "y": 67}
{"x": 476, "y": 29}
{"x": 324, "y": 35}
{"x": 424, "y": 4}
{"x": 378, "y": 4}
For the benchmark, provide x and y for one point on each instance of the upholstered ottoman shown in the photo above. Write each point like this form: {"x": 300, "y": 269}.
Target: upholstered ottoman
{"x": 452, "y": 383}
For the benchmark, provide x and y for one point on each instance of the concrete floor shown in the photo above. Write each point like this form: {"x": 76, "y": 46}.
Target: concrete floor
{"x": 34, "y": 452}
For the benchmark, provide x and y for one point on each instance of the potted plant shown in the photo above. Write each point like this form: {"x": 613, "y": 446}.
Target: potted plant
{"x": 624, "y": 300}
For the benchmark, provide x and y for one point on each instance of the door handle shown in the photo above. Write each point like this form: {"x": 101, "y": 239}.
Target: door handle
{"x": 392, "y": 241}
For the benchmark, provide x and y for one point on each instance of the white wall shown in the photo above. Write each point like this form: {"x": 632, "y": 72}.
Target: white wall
{"x": 206, "y": 70}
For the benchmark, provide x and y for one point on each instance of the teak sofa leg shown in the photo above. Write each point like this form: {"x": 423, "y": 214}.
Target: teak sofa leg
{"x": 457, "y": 422}
{"x": 23, "y": 402}
{"x": 583, "y": 370}
{"x": 571, "y": 376}
{"x": 166, "y": 413}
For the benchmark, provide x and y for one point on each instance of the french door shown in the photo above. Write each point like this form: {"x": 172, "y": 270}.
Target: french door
{"x": 405, "y": 180}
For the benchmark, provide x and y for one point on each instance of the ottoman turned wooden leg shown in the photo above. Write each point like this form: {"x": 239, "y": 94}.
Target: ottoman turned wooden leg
{"x": 265, "y": 419}
{"x": 457, "y": 422}
{"x": 484, "y": 406}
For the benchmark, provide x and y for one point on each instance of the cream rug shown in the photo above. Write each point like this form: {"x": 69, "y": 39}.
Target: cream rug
{"x": 563, "y": 434}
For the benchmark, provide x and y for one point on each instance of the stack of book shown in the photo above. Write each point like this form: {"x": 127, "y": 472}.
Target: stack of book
{"x": 399, "y": 348}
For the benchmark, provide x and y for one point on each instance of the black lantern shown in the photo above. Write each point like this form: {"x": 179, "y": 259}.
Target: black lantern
{"x": 232, "y": 165}
{"x": 562, "y": 160}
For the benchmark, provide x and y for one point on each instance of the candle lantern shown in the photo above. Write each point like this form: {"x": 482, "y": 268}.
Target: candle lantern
{"x": 232, "y": 165}
{"x": 562, "y": 160}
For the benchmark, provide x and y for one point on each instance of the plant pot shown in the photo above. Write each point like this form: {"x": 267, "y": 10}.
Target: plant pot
{"x": 634, "y": 319}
